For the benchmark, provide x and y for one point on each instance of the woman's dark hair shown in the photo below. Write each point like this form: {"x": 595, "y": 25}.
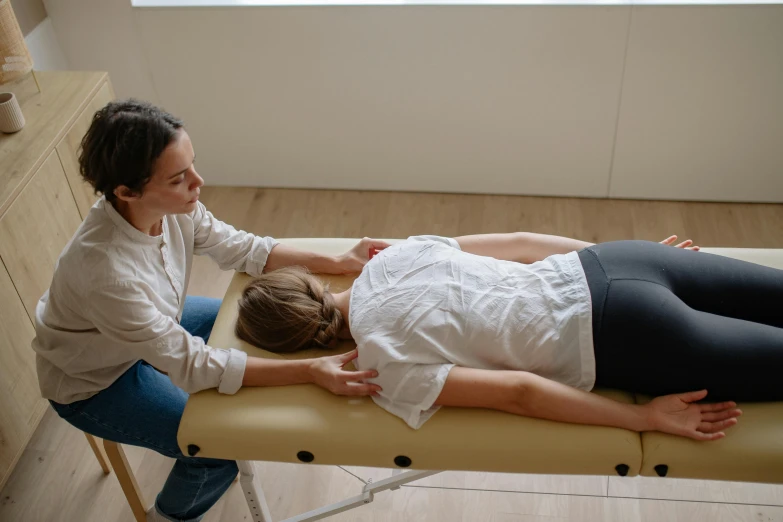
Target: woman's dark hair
{"x": 288, "y": 310}
{"x": 123, "y": 142}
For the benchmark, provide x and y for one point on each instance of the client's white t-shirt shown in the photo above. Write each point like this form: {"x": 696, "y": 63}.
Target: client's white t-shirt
{"x": 423, "y": 305}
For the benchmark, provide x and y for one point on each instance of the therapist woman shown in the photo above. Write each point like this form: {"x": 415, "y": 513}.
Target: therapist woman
{"x": 119, "y": 344}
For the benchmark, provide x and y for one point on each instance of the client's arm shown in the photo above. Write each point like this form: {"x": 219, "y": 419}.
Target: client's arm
{"x": 349, "y": 262}
{"x": 529, "y": 247}
{"x": 522, "y": 247}
{"x": 527, "y": 394}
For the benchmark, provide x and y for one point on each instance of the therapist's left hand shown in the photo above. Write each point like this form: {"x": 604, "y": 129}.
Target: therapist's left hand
{"x": 328, "y": 372}
{"x": 355, "y": 259}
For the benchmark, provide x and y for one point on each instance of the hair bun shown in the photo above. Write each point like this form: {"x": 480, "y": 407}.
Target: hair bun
{"x": 287, "y": 310}
{"x": 332, "y": 322}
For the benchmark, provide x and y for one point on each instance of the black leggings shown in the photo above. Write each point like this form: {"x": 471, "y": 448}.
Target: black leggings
{"x": 667, "y": 320}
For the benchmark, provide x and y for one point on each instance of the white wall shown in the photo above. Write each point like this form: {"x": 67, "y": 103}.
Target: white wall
{"x": 45, "y": 48}
{"x": 101, "y": 35}
{"x": 622, "y": 101}
{"x": 397, "y": 98}
{"x": 29, "y": 14}
{"x": 702, "y": 106}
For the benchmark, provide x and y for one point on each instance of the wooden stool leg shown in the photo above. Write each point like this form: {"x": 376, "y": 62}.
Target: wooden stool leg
{"x": 127, "y": 481}
{"x": 99, "y": 454}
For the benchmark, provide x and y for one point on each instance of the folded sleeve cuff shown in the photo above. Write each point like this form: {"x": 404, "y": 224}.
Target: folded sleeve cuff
{"x": 234, "y": 372}
{"x": 262, "y": 247}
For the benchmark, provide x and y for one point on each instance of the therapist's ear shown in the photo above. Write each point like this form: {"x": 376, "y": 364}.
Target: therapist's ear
{"x": 123, "y": 193}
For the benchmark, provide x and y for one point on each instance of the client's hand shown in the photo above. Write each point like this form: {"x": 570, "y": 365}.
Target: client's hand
{"x": 355, "y": 259}
{"x": 677, "y": 415}
{"x": 328, "y": 373}
{"x": 687, "y": 244}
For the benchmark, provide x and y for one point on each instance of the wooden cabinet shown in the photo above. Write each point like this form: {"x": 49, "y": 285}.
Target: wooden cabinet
{"x": 35, "y": 229}
{"x": 68, "y": 150}
{"x": 42, "y": 203}
{"x": 20, "y": 403}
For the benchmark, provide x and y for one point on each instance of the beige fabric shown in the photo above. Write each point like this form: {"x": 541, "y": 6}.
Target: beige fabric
{"x": 274, "y": 424}
{"x": 752, "y": 450}
{"x": 14, "y": 54}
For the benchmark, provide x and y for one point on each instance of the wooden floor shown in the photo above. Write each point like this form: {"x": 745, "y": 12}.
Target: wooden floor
{"x": 58, "y": 479}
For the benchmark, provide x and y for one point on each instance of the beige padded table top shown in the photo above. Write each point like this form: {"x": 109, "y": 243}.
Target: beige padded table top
{"x": 276, "y": 424}
{"x": 294, "y": 423}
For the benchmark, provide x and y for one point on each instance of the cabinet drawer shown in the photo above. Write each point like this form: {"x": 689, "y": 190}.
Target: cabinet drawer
{"x": 35, "y": 230}
{"x": 21, "y": 404}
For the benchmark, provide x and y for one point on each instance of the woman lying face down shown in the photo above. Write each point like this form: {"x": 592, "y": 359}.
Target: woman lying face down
{"x": 528, "y": 324}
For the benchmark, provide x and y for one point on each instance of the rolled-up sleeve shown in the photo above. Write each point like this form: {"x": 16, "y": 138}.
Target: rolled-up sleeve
{"x": 441, "y": 239}
{"x": 126, "y": 315}
{"x": 230, "y": 248}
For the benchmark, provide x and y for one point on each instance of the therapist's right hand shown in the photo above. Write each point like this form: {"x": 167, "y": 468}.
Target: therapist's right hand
{"x": 328, "y": 372}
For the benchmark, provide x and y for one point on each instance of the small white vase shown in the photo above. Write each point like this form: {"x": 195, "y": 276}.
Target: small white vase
{"x": 11, "y": 118}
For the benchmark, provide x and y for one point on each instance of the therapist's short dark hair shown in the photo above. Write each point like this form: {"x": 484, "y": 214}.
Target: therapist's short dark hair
{"x": 123, "y": 142}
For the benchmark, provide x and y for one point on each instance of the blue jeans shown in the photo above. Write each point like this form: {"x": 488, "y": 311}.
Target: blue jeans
{"x": 143, "y": 408}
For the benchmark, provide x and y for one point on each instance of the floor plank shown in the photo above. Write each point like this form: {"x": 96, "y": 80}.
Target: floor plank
{"x": 701, "y": 490}
{"x": 561, "y": 484}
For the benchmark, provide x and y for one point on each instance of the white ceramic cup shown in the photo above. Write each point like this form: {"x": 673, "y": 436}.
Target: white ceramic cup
{"x": 11, "y": 118}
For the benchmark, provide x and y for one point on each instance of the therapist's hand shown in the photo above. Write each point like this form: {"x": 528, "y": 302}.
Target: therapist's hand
{"x": 328, "y": 373}
{"x": 687, "y": 244}
{"x": 355, "y": 259}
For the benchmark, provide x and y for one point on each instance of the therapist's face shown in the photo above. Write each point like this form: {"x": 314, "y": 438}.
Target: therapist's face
{"x": 175, "y": 185}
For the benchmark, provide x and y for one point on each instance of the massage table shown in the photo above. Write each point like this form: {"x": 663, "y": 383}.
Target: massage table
{"x": 306, "y": 424}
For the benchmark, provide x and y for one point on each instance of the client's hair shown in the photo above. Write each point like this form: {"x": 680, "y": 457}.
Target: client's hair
{"x": 288, "y": 310}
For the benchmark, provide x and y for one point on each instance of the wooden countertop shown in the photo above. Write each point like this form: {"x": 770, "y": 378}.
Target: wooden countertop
{"x": 48, "y": 114}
